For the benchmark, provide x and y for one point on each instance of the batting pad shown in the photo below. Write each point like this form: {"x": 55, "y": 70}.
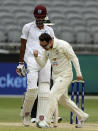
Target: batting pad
{"x": 51, "y": 107}
{"x": 30, "y": 97}
{"x": 43, "y": 98}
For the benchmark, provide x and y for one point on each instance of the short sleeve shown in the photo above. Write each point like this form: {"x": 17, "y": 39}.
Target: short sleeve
{"x": 25, "y": 32}
{"x": 49, "y": 30}
{"x": 52, "y": 33}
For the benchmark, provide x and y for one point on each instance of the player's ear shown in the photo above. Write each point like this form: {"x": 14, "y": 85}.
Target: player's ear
{"x": 51, "y": 43}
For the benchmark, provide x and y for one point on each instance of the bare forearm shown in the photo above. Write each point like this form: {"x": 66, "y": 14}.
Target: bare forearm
{"x": 22, "y": 50}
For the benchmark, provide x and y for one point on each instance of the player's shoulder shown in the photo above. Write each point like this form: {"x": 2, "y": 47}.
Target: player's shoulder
{"x": 62, "y": 43}
{"x": 28, "y": 25}
{"x": 48, "y": 27}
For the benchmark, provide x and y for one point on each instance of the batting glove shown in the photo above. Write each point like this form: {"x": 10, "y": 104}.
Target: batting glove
{"x": 21, "y": 70}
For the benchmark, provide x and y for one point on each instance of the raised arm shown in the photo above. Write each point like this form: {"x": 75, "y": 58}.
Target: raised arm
{"x": 40, "y": 60}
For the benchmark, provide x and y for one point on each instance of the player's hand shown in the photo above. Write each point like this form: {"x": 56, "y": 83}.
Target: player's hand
{"x": 79, "y": 78}
{"x": 35, "y": 52}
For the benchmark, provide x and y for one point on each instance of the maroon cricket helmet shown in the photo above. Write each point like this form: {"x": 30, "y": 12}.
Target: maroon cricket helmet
{"x": 40, "y": 11}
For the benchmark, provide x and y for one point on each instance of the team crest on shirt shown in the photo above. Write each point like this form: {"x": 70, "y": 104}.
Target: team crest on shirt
{"x": 54, "y": 59}
{"x": 54, "y": 62}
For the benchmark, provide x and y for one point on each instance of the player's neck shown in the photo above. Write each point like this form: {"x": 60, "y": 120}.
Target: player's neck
{"x": 40, "y": 27}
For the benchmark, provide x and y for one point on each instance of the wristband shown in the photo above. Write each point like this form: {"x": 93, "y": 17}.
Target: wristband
{"x": 21, "y": 62}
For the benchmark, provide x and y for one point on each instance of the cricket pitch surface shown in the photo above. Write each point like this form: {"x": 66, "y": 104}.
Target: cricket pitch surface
{"x": 86, "y": 127}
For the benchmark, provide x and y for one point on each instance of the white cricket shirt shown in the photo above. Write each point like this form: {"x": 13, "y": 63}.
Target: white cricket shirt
{"x": 31, "y": 33}
{"x": 61, "y": 56}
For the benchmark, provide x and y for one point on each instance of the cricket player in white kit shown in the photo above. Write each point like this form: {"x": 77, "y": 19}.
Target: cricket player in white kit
{"x": 29, "y": 43}
{"x": 61, "y": 55}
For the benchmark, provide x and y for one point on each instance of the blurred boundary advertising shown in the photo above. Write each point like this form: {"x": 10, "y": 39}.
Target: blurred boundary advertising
{"x": 12, "y": 84}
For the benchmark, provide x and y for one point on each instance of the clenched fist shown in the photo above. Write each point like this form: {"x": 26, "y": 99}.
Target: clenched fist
{"x": 35, "y": 52}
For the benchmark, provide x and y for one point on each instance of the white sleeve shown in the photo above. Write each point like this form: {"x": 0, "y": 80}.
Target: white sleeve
{"x": 25, "y": 32}
{"x": 72, "y": 56}
{"x": 52, "y": 33}
{"x": 42, "y": 60}
{"x": 76, "y": 66}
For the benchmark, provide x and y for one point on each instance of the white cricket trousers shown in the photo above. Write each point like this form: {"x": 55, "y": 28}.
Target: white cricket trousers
{"x": 59, "y": 92}
{"x": 37, "y": 74}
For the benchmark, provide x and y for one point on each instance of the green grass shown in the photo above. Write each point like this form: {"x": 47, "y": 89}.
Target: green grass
{"x": 91, "y": 107}
{"x": 10, "y": 110}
